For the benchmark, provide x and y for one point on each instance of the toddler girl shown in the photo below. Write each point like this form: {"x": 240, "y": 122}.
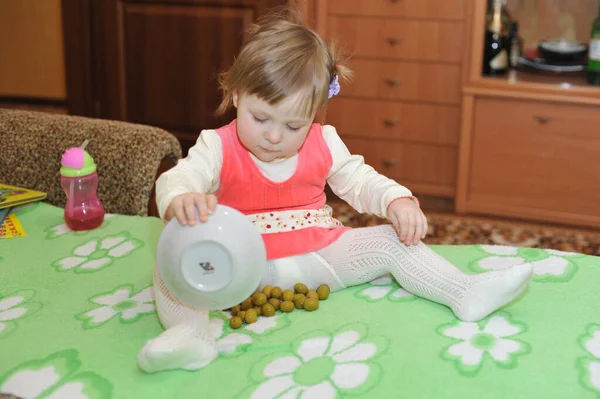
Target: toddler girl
{"x": 272, "y": 163}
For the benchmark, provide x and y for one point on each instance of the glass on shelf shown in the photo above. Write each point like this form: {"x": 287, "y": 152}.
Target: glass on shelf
{"x": 566, "y": 81}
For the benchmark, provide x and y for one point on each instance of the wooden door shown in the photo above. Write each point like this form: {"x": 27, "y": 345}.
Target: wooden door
{"x": 157, "y": 62}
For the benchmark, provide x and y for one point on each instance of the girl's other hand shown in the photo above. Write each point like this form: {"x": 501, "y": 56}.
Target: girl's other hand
{"x": 408, "y": 220}
{"x": 184, "y": 205}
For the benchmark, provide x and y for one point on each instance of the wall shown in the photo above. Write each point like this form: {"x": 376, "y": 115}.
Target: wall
{"x": 553, "y": 19}
{"x": 31, "y": 49}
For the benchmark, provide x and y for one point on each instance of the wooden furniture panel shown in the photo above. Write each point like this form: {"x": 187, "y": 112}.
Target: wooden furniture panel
{"x": 423, "y": 168}
{"x": 535, "y": 160}
{"x": 395, "y": 80}
{"x": 156, "y": 62}
{"x": 419, "y": 123}
{"x": 155, "y": 33}
{"x": 32, "y": 59}
{"x": 403, "y": 39}
{"x": 436, "y": 9}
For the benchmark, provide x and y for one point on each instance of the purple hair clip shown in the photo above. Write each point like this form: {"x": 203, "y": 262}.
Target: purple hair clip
{"x": 334, "y": 87}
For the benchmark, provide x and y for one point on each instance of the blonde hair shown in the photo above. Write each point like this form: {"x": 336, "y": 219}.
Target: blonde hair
{"x": 282, "y": 57}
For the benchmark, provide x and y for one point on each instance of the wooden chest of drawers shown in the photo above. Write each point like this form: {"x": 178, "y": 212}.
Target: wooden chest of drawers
{"x": 402, "y": 111}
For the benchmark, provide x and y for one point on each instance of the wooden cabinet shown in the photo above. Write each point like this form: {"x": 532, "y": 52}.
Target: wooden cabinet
{"x": 156, "y": 61}
{"x": 529, "y": 143}
{"x": 402, "y": 110}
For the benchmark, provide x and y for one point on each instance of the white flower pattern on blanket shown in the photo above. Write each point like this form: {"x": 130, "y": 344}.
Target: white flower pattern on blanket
{"x": 385, "y": 287}
{"x": 62, "y": 229}
{"x": 98, "y": 253}
{"x": 233, "y": 342}
{"x": 55, "y": 377}
{"x": 548, "y": 265}
{"x": 589, "y": 367}
{"x": 321, "y": 365}
{"x": 118, "y": 302}
{"x": 486, "y": 339}
{"x": 14, "y": 307}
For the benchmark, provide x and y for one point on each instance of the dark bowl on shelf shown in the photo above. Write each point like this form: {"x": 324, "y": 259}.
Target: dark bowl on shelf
{"x": 561, "y": 52}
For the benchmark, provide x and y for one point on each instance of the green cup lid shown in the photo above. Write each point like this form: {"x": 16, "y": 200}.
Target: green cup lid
{"x": 77, "y": 162}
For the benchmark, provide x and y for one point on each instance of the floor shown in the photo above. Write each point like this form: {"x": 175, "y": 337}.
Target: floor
{"x": 446, "y": 228}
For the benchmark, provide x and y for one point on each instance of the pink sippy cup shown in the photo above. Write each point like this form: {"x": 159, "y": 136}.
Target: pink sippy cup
{"x": 79, "y": 180}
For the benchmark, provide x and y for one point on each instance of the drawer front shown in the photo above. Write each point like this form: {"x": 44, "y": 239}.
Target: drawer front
{"x": 436, "y": 9}
{"x": 400, "y": 39}
{"x": 540, "y": 156}
{"x": 396, "y": 80}
{"x": 421, "y": 123}
{"x": 406, "y": 163}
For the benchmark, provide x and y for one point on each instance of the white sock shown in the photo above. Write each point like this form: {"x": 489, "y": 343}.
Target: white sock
{"x": 187, "y": 342}
{"x": 310, "y": 269}
{"x": 362, "y": 255}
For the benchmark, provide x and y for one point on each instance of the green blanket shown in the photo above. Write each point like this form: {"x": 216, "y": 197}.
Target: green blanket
{"x": 75, "y": 309}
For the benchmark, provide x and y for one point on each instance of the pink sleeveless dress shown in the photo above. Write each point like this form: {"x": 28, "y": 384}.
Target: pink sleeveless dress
{"x": 291, "y": 215}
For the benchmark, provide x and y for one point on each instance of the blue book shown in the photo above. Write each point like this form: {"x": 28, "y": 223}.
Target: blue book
{"x": 4, "y": 214}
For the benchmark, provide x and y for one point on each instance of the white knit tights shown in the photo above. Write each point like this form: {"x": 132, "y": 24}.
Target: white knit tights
{"x": 358, "y": 256}
{"x": 362, "y": 255}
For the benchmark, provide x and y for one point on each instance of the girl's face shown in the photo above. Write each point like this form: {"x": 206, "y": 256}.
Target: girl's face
{"x": 270, "y": 132}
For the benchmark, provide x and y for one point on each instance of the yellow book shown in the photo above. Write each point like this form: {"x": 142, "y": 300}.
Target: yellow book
{"x": 11, "y": 227}
{"x": 11, "y": 196}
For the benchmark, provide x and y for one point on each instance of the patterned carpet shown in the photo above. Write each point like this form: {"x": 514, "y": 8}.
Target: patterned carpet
{"x": 448, "y": 229}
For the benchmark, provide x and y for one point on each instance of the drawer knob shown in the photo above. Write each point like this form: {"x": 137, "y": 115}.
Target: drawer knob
{"x": 390, "y": 122}
{"x": 392, "y": 41}
{"x": 388, "y": 163}
{"x": 543, "y": 119}
{"x": 392, "y": 82}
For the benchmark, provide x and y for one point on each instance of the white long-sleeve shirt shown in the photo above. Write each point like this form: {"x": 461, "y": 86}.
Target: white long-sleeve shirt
{"x": 349, "y": 177}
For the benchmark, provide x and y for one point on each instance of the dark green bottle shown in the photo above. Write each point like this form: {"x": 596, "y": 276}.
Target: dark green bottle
{"x": 594, "y": 54}
{"x": 495, "y": 52}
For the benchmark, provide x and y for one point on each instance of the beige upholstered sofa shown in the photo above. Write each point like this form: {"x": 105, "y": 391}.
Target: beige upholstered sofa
{"x": 129, "y": 156}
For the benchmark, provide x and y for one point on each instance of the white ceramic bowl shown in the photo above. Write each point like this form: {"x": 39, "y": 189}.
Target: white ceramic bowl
{"x": 213, "y": 265}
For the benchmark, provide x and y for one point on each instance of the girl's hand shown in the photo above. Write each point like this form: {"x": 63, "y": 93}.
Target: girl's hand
{"x": 408, "y": 219}
{"x": 184, "y": 205}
